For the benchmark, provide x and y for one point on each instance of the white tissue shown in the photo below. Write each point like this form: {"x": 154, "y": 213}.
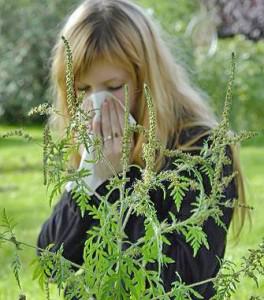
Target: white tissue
{"x": 98, "y": 99}
{"x": 93, "y": 181}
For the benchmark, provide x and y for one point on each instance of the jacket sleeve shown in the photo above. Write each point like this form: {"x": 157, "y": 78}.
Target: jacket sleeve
{"x": 66, "y": 226}
{"x": 205, "y": 264}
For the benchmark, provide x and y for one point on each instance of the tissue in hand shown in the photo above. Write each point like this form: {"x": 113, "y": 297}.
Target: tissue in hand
{"x": 99, "y": 97}
{"x": 93, "y": 181}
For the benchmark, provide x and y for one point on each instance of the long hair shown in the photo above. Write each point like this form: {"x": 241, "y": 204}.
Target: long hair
{"x": 122, "y": 33}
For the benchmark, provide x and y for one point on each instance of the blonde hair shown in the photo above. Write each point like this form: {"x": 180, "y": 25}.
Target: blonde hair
{"x": 121, "y": 32}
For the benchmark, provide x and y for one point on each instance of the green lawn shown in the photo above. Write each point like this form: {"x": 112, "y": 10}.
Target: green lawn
{"x": 23, "y": 195}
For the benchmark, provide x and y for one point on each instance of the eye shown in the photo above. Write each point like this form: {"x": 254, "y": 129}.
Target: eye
{"x": 112, "y": 88}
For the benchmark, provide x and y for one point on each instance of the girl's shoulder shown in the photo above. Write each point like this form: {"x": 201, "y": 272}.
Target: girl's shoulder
{"x": 195, "y": 135}
{"x": 191, "y": 140}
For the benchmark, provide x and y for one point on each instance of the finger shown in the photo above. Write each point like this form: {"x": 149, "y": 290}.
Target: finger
{"x": 106, "y": 121}
{"x": 96, "y": 126}
{"x": 116, "y": 126}
{"x": 121, "y": 115}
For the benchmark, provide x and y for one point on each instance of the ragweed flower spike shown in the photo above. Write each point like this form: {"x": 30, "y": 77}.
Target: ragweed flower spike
{"x": 46, "y": 143}
{"x": 149, "y": 148}
{"x": 71, "y": 98}
{"x": 42, "y": 109}
{"x": 220, "y": 139}
{"x": 220, "y": 132}
{"x": 126, "y": 138}
{"x": 228, "y": 101}
{"x": 17, "y": 132}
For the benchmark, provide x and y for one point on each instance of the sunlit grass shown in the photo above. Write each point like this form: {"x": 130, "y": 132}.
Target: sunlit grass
{"x": 23, "y": 195}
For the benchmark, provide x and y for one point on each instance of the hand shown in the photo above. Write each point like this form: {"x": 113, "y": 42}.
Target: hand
{"x": 111, "y": 124}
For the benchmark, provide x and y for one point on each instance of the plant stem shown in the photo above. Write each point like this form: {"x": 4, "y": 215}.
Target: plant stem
{"x": 42, "y": 250}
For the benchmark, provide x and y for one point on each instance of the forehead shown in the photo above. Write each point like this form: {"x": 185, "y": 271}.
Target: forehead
{"x": 103, "y": 70}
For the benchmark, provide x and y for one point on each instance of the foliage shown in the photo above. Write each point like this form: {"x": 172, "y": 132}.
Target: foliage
{"x": 248, "y": 108}
{"x": 26, "y": 37}
{"x": 9, "y": 235}
{"x": 24, "y": 198}
{"x": 250, "y": 266}
{"x": 208, "y": 72}
{"x": 117, "y": 273}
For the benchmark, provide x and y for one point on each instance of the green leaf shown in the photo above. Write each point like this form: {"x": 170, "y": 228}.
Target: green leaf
{"x": 16, "y": 267}
{"x": 8, "y": 222}
{"x": 196, "y": 237}
{"x": 178, "y": 193}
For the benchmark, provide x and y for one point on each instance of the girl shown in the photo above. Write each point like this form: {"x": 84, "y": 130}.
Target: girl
{"x": 115, "y": 43}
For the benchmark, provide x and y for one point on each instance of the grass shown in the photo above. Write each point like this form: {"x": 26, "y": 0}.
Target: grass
{"x": 23, "y": 195}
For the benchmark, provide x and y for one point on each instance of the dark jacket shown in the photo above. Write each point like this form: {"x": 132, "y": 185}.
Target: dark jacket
{"x": 65, "y": 225}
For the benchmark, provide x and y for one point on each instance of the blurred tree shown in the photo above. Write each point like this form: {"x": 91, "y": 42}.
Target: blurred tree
{"x": 213, "y": 73}
{"x": 212, "y": 58}
{"x": 27, "y": 34}
{"x": 238, "y": 17}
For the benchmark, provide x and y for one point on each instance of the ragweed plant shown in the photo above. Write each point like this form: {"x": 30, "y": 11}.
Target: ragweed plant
{"x": 113, "y": 267}
{"x": 17, "y": 132}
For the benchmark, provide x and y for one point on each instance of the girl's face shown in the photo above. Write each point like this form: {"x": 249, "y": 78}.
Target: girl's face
{"x": 109, "y": 77}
